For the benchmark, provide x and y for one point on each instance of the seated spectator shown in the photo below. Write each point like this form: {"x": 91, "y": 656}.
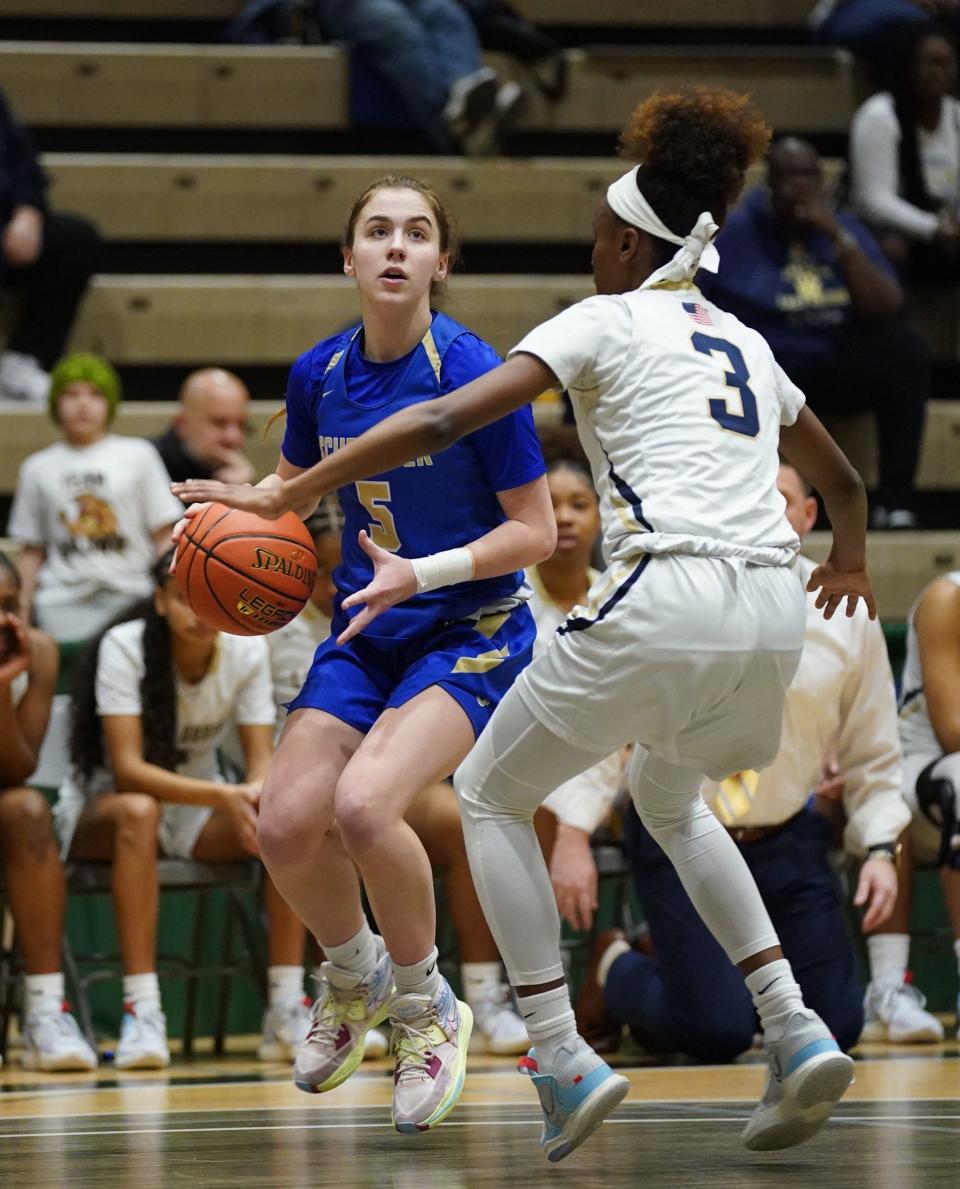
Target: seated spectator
{"x": 905, "y": 160}
{"x": 47, "y": 258}
{"x": 429, "y": 52}
{"x": 208, "y": 434}
{"x": 91, "y": 512}
{"x": 815, "y": 284}
{"x": 690, "y": 997}
{"x": 433, "y": 815}
{"x": 148, "y": 781}
{"x": 561, "y": 584}
{"x": 33, "y": 874}
{"x": 930, "y": 734}
{"x": 872, "y": 29}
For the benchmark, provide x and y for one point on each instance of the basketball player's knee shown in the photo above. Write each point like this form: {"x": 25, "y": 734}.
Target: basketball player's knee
{"x": 25, "y": 823}
{"x": 361, "y": 815}
{"x": 137, "y": 820}
{"x": 287, "y": 834}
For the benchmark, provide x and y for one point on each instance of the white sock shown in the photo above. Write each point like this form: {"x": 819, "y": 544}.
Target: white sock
{"x": 285, "y": 983}
{"x": 888, "y": 954}
{"x": 142, "y": 992}
{"x": 550, "y": 1024}
{"x": 44, "y": 992}
{"x": 956, "y": 950}
{"x": 776, "y": 996}
{"x": 481, "y": 981}
{"x": 613, "y": 951}
{"x": 356, "y": 955}
{"x": 422, "y": 978}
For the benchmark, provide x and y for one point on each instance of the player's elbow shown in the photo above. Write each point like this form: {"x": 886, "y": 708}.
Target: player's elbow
{"x": 544, "y": 540}
{"x": 846, "y": 486}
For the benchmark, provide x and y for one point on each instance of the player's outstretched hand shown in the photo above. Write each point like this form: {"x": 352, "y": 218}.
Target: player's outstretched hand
{"x": 267, "y": 502}
{"x": 833, "y": 586}
{"x": 393, "y": 581}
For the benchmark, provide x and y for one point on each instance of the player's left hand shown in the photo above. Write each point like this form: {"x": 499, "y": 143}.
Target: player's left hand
{"x": 573, "y": 874}
{"x": 877, "y": 890}
{"x": 268, "y": 502}
{"x": 393, "y": 581}
{"x": 833, "y": 586}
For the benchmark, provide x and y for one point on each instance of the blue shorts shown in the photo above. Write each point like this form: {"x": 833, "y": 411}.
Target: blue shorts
{"x": 475, "y": 661}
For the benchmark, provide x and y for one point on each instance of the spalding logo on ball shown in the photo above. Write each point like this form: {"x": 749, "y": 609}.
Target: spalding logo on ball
{"x": 243, "y": 574}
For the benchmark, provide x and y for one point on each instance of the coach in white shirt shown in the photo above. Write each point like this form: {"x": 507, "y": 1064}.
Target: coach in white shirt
{"x": 690, "y": 997}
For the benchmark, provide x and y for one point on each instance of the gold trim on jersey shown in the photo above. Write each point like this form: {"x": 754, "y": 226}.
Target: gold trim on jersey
{"x": 675, "y": 286}
{"x": 489, "y": 625}
{"x": 482, "y": 663}
{"x": 432, "y": 353}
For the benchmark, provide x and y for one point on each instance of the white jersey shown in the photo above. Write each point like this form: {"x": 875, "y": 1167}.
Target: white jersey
{"x": 94, "y": 510}
{"x": 917, "y": 735}
{"x": 679, "y": 408}
{"x": 236, "y": 687}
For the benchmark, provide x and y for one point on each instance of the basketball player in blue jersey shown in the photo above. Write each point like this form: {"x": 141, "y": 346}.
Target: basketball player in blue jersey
{"x": 691, "y": 636}
{"x": 385, "y": 714}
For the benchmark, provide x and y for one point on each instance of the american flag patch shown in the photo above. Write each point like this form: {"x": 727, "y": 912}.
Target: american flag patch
{"x": 698, "y": 313}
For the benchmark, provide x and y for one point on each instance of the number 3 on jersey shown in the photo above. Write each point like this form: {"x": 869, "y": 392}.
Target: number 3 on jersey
{"x": 382, "y": 528}
{"x": 747, "y": 422}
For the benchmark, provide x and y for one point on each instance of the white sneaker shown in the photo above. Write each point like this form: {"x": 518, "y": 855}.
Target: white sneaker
{"x": 808, "y": 1075}
{"x": 143, "y": 1040}
{"x": 497, "y": 1024}
{"x": 375, "y": 1045}
{"x": 895, "y": 1012}
{"x": 285, "y": 1026}
{"x": 23, "y": 379}
{"x": 53, "y": 1042}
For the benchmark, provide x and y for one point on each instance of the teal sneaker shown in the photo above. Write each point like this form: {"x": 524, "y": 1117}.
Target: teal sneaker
{"x": 572, "y": 1113}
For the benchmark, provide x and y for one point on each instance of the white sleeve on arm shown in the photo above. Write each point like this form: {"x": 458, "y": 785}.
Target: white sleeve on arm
{"x": 584, "y": 344}
{"x": 875, "y": 170}
{"x": 160, "y": 505}
{"x": 868, "y": 745}
{"x": 26, "y": 516}
{"x": 255, "y": 700}
{"x": 119, "y": 673}
{"x": 586, "y": 801}
{"x": 791, "y": 398}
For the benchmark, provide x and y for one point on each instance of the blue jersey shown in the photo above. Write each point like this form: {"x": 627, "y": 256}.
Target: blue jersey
{"x": 434, "y": 503}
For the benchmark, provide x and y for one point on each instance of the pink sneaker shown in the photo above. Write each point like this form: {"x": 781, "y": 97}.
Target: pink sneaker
{"x": 432, "y": 1037}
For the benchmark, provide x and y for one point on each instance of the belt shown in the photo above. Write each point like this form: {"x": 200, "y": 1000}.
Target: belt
{"x": 745, "y": 835}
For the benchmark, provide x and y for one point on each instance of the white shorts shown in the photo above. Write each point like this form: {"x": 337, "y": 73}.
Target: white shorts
{"x": 925, "y": 835}
{"x": 689, "y": 656}
{"x": 180, "y": 825}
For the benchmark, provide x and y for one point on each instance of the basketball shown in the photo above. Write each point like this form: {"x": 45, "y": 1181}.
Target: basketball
{"x": 243, "y": 574}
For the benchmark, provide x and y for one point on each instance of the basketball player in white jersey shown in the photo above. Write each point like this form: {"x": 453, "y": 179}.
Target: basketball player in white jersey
{"x": 694, "y": 631}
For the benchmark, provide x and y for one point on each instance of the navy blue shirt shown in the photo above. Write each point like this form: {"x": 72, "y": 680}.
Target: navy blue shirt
{"x": 431, "y": 504}
{"x": 793, "y": 293}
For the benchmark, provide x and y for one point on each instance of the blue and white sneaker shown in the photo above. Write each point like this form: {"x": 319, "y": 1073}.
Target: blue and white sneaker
{"x": 572, "y": 1113}
{"x": 808, "y": 1075}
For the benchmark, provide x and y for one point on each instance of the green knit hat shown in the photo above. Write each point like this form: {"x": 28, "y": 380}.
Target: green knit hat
{"x": 94, "y": 370}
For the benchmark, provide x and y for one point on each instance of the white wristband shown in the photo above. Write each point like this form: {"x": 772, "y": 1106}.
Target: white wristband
{"x": 443, "y": 569}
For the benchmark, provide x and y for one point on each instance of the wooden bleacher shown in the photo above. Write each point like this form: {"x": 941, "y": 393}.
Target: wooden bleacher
{"x": 209, "y": 197}
{"x": 117, "y": 85}
{"x": 739, "y": 14}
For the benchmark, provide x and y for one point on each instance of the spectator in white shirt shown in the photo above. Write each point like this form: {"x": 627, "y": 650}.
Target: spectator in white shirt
{"x": 905, "y": 160}
{"x": 689, "y": 997}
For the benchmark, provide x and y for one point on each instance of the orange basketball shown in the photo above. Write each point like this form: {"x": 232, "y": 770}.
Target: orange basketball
{"x": 243, "y": 574}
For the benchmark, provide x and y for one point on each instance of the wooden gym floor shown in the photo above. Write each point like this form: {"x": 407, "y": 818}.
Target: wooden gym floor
{"x": 232, "y": 1121}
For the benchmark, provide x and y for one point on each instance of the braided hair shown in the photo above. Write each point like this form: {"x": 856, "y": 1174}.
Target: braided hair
{"x": 158, "y": 690}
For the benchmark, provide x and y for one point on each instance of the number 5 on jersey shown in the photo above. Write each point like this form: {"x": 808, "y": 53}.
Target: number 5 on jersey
{"x": 382, "y": 528}
{"x": 747, "y": 422}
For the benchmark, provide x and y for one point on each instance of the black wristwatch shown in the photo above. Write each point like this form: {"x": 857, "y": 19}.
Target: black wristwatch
{"x": 884, "y": 850}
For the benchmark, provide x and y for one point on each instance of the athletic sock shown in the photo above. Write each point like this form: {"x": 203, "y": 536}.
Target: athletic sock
{"x": 142, "y": 992}
{"x": 776, "y": 996}
{"x": 888, "y": 955}
{"x": 614, "y": 950}
{"x": 422, "y": 978}
{"x": 552, "y": 1029}
{"x": 356, "y": 955}
{"x": 44, "y": 992}
{"x": 481, "y": 981}
{"x": 285, "y": 983}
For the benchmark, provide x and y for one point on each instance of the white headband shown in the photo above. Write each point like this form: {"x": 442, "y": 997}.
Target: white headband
{"x": 696, "y": 250}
